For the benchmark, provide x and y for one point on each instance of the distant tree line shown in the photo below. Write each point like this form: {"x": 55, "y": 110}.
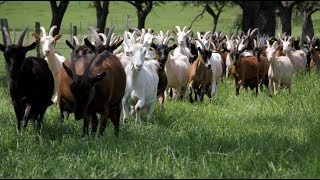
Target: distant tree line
{"x": 255, "y": 14}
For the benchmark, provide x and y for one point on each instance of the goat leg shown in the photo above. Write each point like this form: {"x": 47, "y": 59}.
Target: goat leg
{"x": 26, "y": 116}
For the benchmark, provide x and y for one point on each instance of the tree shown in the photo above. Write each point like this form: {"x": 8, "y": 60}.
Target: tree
{"x": 214, "y": 8}
{"x": 308, "y": 8}
{"x": 143, "y": 9}
{"x": 258, "y": 14}
{"x": 285, "y": 14}
{"x": 101, "y": 13}
{"x": 57, "y": 14}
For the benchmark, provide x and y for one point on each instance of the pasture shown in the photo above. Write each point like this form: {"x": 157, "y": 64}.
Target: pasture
{"x": 230, "y": 137}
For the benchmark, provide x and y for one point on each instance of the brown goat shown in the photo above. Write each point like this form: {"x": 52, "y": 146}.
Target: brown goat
{"x": 245, "y": 71}
{"x": 97, "y": 88}
{"x": 260, "y": 54}
{"x": 199, "y": 75}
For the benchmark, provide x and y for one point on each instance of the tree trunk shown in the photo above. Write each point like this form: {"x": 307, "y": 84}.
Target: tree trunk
{"x": 101, "y": 14}
{"x": 141, "y": 20}
{"x": 142, "y": 11}
{"x": 215, "y": 23}
{"x": 268, "y": 10}
{"x": 285, "y": 17}
{"x": 57, "y": 14}
{"x": 307, "y": 28}
{"x": 259, "y": 14}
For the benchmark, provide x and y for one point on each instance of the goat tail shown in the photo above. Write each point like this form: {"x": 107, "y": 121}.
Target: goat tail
{"x": 153, "y": 64}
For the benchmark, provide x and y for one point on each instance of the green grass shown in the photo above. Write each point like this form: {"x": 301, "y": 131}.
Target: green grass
{"x": 229, "y": 137}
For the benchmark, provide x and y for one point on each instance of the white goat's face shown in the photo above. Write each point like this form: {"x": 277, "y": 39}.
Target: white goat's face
{"x": 270, "y": 52}
{"x": 48, "y": 45}
{"x": 137, "y": 54}
{"x": 230, "y": 45}
{"x": 287, "y": 47}
{"x": 182, "y": 38}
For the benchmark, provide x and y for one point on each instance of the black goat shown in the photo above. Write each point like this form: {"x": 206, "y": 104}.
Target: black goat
{"x": 31, "y": 82}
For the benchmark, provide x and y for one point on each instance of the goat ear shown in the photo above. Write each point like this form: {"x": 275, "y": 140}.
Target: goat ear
{"x": 36, "y": 36}
{"x": 89, "y": 44}
{"x": 68, "y": 71}
{"x": 70, "y": 45}
{"x": 98, "y": 77}
{"x": 174, "y": 32}
{"x": 31, "y": 46}
{"x": 2, "y": 47}
{"x": 57, "y": 37}
{"x": 172, "y": 47}
{"x": 154, "y": 46}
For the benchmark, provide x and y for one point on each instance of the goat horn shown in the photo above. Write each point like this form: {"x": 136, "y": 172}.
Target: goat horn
{"x": 109, "y": 36}
{"x": 214, "y": 46}
{"x": 76, "y": 40}
{"x": 96, "y": 37}
{"x": 248, "y": 33}
{"x": 184, "y": 28}
{"x": 203, "y": 46}
{"x": 289, "y": 38}
{"x": 52, "y": 29}
{"x": 142, "y": 35}
{"x": 168, "y": 40}
{"x": 207, "y": 34}
{"x": 7, "y": 36}
{"x": 199, "y": 35}
{"x": 163, "y": 39}
{"x": 178, "y": 28}
{"x": 255, "y": 43}
{"x": 220, "y": 45}
{"x": 210, "y": 40}
{"x": 103, "y": 37}
{"x": 227, "y": 37}
{"x": 313, "y": 38}
{"x": 83, "y": 39}
{"x": 43, "y": 31}
{"x": 253, "y": 31}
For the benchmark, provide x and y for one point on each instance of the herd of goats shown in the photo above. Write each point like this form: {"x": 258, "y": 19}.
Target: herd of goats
{"x": 112, "y": 74}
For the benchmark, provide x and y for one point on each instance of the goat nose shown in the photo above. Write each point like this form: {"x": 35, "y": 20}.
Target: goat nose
{"x": 139, "y": 65}
{"x": 209, "y": 66}
{"x": 46, "y": 51}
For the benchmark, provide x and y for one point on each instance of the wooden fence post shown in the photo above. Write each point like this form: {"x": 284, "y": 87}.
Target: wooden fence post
{"x": 37, "y": 30}
{"x": 74, "y": 33}
{"x": 4, "y": 23}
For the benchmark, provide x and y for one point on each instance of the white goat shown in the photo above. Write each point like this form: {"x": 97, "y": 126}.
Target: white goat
{"x": 142, "y": 81}
{"x": 298, "y": 58}
{"x": 280, "y": 71}
{"x": 182, "y": 42}
{"x": 54, "y": 60}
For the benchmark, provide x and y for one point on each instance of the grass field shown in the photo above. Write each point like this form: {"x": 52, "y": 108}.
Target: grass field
{"x": 229, "y": 137}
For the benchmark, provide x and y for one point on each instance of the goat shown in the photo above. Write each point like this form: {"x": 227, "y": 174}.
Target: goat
{"x": 298, "y": 58}
{"x": 31, "y": 83}
{"x": 162, "y": 52}
{"x": 98, "y": 88}
{"x": 54, "y": 60}
{"x": 142, "y": 81}
{"x": 313, "y": 46}
{"x": 260, "y": 54}
{"x": 280, "y": 71}
{"x": 182, "y": 42}
{"x": 200, "y": 74}
{"x": 65, "y": 98}
{"x": 245, "y": 71}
